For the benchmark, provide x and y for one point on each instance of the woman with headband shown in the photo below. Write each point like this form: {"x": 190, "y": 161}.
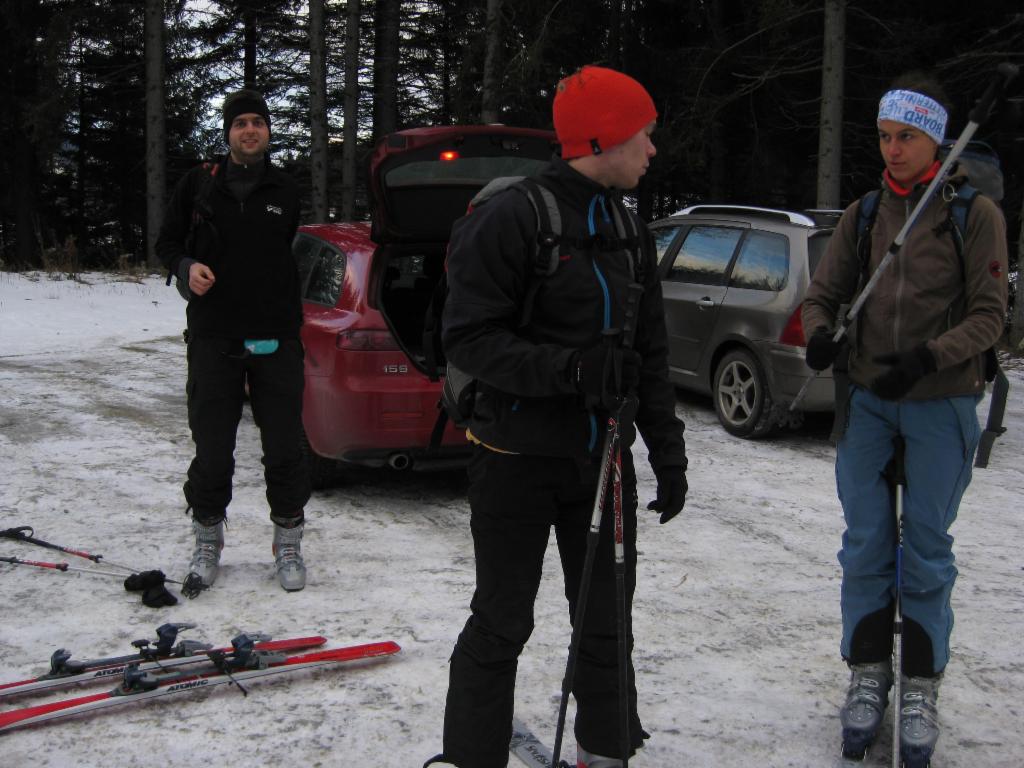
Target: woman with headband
{"x": 916, "y": 373}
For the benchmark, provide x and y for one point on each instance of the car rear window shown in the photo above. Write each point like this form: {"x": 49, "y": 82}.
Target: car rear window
{"x": 763, "y": 262}
{"x": 705, "y": 255}
{"x": 461, "y": 170}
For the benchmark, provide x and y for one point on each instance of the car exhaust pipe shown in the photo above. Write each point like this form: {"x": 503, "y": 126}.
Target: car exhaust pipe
{"x": 399, "y": 461}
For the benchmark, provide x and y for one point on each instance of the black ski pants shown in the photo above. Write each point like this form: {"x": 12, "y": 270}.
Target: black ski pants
{"x": 218, "y": 370}
{"x": 515, "y": 500}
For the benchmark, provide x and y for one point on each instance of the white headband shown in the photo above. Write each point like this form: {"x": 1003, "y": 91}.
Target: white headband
{"x": 914, "y": 109}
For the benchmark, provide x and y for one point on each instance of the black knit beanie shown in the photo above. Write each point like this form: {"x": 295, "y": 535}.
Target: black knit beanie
{"x": 242, "y": 103}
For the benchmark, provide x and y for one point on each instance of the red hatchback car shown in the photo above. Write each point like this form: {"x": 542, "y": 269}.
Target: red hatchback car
{"x": 369, "y": 398}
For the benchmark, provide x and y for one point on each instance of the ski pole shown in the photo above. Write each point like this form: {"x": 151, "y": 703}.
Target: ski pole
{"x": 621, "y": 613}
{"x": 897, "y": 476}
{"x": 66, "y": 567}
{"x": 58, "y": 566}
{"x": 19, "y": 534}
{"x": 979, "y": 114}
{"x": 609, "y": 452}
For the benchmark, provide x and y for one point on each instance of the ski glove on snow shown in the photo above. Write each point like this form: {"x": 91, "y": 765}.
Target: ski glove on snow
{"x": 603, "y": 374}
{"x": 672, "y": 488}
{"x": 907, "y": 368}
{"x": 821, "y": 350}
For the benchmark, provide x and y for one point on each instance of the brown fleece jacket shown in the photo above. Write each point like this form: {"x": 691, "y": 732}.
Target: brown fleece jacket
{"x": 925, "y": 296}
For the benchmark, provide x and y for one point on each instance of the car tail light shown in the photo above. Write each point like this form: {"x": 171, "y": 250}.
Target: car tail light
{"x": 449, "y": 154}
{"x": 793, "y": 333}
{"x": 367, "y": 340}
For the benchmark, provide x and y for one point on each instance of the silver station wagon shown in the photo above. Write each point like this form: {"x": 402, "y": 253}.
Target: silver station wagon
{"x": 734, "y": 278}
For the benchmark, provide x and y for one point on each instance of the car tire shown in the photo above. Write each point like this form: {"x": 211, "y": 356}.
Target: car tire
{"x": 323, "y": 472}
{"x": 742, "y": 400}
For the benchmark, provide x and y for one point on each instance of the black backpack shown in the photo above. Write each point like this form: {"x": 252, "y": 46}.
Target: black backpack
{"x": 459, "y": 389}
{"x": 201, "y": 213}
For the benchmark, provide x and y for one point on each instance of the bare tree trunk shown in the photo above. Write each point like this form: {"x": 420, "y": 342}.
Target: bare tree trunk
{"x": 492, "y": 57}
{"x": 249, "y": 54}
{"x": 830, "y": 133}
{"x": 385, "y": 67}
{"x": 156, "y": 159}
{"x": 1017, "y": 325}
{"x": 348, "y": 147}
{"x": 615, "y": 34}
{"x": 318, "y": 109}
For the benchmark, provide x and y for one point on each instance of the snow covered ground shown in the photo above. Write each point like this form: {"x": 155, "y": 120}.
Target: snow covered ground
{"x": 736, "y": 614}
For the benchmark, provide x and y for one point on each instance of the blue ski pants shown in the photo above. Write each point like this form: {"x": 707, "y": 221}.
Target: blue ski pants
{"x": 941, "y": 436}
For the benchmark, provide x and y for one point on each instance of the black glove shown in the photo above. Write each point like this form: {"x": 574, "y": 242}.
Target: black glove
{"x": 140, "y": 582}
{"x": 158, "y": 597}
{"x": 821, "y": 350}
{"x": 672, "y": 487}
{"x": 907, "y": 368}
{"x": 603, "y": 374}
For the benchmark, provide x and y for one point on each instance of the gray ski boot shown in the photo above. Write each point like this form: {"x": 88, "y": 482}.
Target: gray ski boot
{"x": 585, "y": 759}
{"x": 291, "y": 570}
{"x": 919, "y": 720}
{"x": 866, "y": 700}
{"x": 206, "y": 556}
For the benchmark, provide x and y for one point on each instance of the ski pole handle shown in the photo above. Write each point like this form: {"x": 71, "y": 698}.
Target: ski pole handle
{"x": 37, "y": 563}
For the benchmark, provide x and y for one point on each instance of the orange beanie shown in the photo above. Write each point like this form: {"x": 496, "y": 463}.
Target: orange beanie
{"x": 597, "y": 108}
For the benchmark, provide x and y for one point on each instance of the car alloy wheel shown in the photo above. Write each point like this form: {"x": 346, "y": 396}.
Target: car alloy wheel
{"x": 741, "y": 396}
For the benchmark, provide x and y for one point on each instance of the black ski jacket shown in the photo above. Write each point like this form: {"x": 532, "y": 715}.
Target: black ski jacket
{"x": 528, "y": 402}
{"x": 247, "y": 244}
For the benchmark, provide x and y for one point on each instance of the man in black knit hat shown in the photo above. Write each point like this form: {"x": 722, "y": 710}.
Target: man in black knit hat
{"x": 227, "y": 235}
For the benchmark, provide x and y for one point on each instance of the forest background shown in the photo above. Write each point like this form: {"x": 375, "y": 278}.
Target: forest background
{"x": 105, "y": 104}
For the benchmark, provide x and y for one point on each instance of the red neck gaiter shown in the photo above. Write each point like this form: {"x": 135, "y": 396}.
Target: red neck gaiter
{"x": 900, "y": 191}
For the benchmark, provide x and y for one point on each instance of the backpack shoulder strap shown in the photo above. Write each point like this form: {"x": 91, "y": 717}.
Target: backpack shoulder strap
{"x": 959, "y": 209}
{"x": 201, "y": 209}
{"x": 867, "y": 212}
{"x": 549, "y": 236}
{"x": 549, "y": 225}
{"x": 629, "y": 234}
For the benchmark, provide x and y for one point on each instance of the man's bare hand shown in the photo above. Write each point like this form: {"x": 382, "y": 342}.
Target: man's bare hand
{"x": 200, "y": 278}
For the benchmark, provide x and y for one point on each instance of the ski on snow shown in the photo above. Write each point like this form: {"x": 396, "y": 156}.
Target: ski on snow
{"x": 244, "y": 663}
{"x": 528, "y": 748}
{"x": 164, "y": 654}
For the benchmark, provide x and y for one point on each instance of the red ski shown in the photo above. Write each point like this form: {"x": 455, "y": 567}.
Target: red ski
{"x": 141, "y": 685}
{"x": 184, "y": 653}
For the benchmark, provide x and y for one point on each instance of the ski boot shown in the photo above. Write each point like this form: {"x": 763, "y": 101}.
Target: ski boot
{"x": 919, "y": 720}
{"x": 291, "y": 570}
{"x": 206, "y": 556}
{"x": 585, "y": 759}
{"x": 866, "y": 700}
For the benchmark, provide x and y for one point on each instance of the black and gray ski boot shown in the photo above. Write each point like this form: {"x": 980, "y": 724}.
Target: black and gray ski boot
{"x": 206, "y": 556}
{"x": 919, "y": 720}
{"x": 866, "y": 700}
{"x": 291, "y": 569}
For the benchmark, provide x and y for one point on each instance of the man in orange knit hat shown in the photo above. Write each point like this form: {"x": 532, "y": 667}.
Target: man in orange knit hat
{"x": 547, "y": 382}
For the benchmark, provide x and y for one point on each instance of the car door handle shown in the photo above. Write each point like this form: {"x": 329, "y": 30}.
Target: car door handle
{"x": 705, "y": 303}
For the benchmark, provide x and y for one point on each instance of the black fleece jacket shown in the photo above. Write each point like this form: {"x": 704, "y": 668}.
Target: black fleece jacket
{"x": 247, "y": 243}
{"x": 528, "y": 402}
